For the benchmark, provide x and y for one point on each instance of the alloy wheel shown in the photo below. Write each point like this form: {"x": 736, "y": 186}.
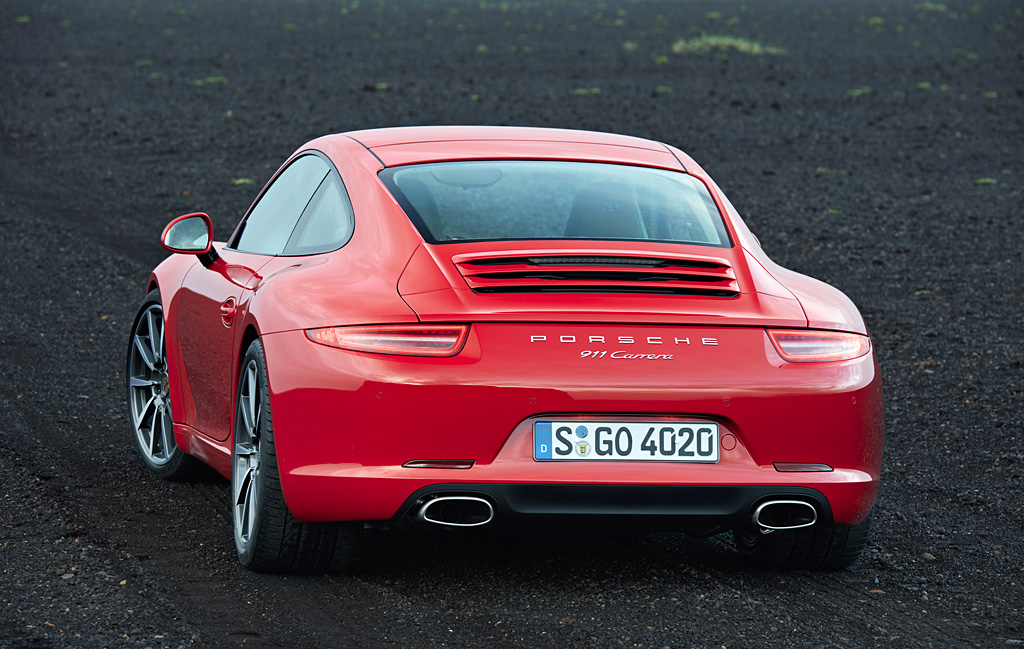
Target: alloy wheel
{"x": 148, "y": 388}
{"x": 245, "y": 467}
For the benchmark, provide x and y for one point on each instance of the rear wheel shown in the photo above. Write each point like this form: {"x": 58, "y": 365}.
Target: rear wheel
{"x": 267, "y": 536}
{"x": 818, "y": 547}
{"x": 149, "y": 398}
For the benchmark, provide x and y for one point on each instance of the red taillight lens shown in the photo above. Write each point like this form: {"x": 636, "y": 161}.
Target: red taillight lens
{"x": 406, "y": 340}
{"x": 817, "y": 346}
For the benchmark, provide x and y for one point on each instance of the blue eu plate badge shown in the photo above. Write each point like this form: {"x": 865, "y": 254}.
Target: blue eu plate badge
{"x": 542, "y": 440}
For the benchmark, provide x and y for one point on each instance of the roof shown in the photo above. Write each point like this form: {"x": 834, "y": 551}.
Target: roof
{"x": 415, "y": 144}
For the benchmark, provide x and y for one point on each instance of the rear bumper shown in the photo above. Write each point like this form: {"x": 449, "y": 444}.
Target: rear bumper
{"x": 345, "y": 423}
{"x": 690, "y": 507}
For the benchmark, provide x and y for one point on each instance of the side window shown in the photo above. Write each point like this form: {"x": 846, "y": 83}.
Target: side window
{"x": 265, "y": 231}
{"x": 326, "y": 224}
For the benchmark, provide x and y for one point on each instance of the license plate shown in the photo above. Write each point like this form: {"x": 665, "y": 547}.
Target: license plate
{"x": 659, "y": 441}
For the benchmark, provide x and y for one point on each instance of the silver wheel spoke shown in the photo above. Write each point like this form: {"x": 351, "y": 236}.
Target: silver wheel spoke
{"x": 167, "y": 430}
{"x": 243, "y": 489}
{"x": 153, "y": 342}
{"x": 247, "y": 422}
{"x": 144, "y": 436}
{"x": 144, "y": 353}
{"x": 144, "y": 414}
{"x": 137, "y": 382}
{"x": 152, "y": 437}
{"x": 160, "y": 347}
{"x": 243, "y": 516}
{"x": 250, "y": 404}
{"x": 250, "y": 506}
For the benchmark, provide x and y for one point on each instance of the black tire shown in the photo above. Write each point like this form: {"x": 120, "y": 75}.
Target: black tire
{"x": 149, "y": 402}
{"x": 267, "y": 537}
{"x": 819, "y": 547}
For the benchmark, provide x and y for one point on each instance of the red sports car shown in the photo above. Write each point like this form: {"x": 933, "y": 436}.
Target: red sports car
{"x": 466, "y": 326}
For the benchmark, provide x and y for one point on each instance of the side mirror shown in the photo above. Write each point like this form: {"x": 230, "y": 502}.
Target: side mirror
{"x": 189, "y": 234}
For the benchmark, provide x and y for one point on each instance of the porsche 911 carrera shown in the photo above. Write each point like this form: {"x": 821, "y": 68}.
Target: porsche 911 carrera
{"x": 509, "y": 327}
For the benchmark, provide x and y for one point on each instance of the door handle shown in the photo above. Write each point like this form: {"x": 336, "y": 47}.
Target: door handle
{"x": 227, "y": 311}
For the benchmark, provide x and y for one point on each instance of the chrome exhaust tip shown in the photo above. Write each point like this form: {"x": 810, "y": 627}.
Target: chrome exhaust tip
{"x": 456, "y": 511}
{"x": 785, "y": 515}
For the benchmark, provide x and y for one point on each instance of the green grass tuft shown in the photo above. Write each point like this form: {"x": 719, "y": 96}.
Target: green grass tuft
{"x": 144, "y": 63}
{"x": 23, "y": 19}
{"x": 242, "y": 181}
{"x": 720, "y": 43}
{"x": 863, "y": 90}
{"x": 986, "y": 181}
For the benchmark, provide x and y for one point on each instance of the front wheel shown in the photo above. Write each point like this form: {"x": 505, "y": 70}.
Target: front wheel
{"x": 149, "y": 398}
{"x": 818, "y": 547}
{"x": 267, "y": 537}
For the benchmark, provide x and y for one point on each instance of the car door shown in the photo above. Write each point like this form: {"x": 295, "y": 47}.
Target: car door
{"x": 213, "y": 297}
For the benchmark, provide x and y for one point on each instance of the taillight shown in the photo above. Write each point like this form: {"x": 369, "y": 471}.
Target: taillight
{"x": 817, "y": 346}
{"x": 406, "y": 340}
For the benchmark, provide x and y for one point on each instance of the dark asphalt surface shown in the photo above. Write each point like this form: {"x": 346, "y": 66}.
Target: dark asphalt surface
{"x": 881, "y": 153}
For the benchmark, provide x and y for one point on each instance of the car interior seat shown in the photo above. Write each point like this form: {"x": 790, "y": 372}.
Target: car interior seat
{"x": 423, "y": 202}
{"x": 605, "y": 210}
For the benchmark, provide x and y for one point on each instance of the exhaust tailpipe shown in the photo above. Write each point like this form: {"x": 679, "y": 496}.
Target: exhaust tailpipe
{"x": 456, "y": 511}
{"x": 785, "y": 514}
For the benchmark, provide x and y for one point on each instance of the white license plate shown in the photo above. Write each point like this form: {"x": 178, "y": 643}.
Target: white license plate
{"x": 660, "y": 441}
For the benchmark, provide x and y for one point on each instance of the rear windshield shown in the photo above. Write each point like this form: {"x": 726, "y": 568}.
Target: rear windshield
{"x": 528, "y": 199}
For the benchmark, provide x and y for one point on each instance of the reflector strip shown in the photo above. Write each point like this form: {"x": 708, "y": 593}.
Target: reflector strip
{"x": 801, "y": 467}
{"x": 439, "y": 464}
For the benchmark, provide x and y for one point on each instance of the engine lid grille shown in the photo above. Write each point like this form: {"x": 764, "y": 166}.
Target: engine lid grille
{"x": 598, "y": 273}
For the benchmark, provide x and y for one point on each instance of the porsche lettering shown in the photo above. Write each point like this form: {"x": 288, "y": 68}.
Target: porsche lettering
{"x": 621, "y": 340}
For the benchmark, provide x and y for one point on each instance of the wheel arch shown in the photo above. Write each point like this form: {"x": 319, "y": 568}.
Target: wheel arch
{"x": 249, "y": 334}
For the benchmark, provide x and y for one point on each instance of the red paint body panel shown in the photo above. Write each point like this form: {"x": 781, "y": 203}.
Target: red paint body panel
{"x": 371, "y": 413}
{"x": 209, "y": 359}
{"x": 345, "y": 421}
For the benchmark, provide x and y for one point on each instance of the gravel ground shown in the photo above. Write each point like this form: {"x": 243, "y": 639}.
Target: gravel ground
{"x": 881, "y": 152}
